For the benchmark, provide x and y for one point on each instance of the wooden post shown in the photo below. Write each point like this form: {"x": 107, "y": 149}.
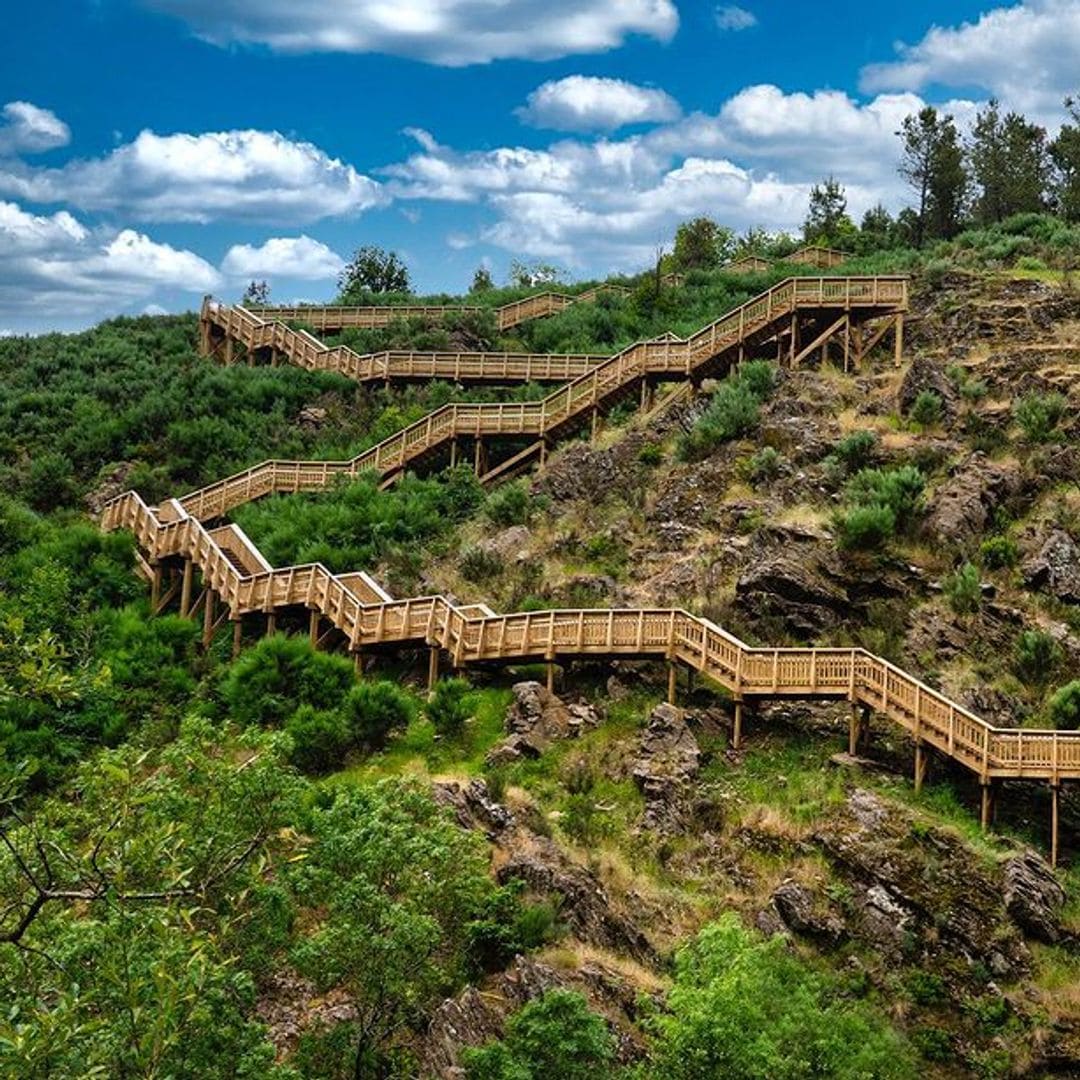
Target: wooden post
{"x": 271, "y": 623}
{"x": 551, "y": 676}
{"x": 480, "y": 458}
{"x": 898, "y": 358}
{"x": 595, "y": 422}
{"x": 853, "y": 730}
{"x": 155, "y": 587}
{"x": 986, "y": 804}
{"x": 237, "y": 635}
{"x": 358, "y": 663}
{"x": 543, "y": 452}
{"x": 794, "y": 339}
{"x": 453, "y": 452}
{"x": 847, "y": 343}
{"x": 185, "y": 589}
{"x": 208, "y": 618}
{"x": 736, "y": 728}
{"x": 1055, "y": 789}
{"x": 228, "y": 350}
{"x": 672, "y": 670}
{"x": 920, "y": 765}
{"x": 313, "y": 629}
{"x": 433, "y": 667}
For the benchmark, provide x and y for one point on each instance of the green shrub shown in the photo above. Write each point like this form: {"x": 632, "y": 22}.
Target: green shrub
{"x": 1036, "y": 657}
{"x": 743, "y": 1008}
{"x": 651, "y": 454}
{"x": 934, "y": 1043}
{"x": 963, "y": 590}
{"x": 864, "y": 528}
{"x": 554, "y": 1036}
{"x": 927, "y": 409}
{"x": 321, "y": 739}
{"x": 447, "y": 707}
{"x": 1039, "y": 415}
{"x": 925, "y": 988}
{"x": 479, "y": 564}
{"x": 857, "y": 449}
{"x": 373, "y": 709}
{"x": 1064, "y": 707}
{"x": 900, "y": 489}
{"x": 998, "y": 553}
{"x": 510, "y": 504}
{"x": 764, "y": 466}
{"x": 734, "y": 410}
{"x": 1030, "y": 262}
{"x": 269, "y": 682}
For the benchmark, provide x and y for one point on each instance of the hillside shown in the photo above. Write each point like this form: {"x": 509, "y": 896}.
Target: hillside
{"x": 322, "y": 874}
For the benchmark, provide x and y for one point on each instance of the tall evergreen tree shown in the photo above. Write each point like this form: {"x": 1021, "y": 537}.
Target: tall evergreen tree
{"x": 1011, "y": 165}
{"x": 933, "y": 164}
{"x": 702, "y": 244}
{"x": 827, "y": 221}
{"x": 1065, "y": 154}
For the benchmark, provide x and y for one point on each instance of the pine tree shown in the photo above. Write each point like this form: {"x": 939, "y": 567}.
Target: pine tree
{"x": 1065, "y": 154}
{"x": 1011, "y": 165}
{"x": 826, "y": 217}
{"x": 933, "y": 164}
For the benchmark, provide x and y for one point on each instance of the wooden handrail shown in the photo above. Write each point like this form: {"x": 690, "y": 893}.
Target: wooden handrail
{"x": 366, "y": 616}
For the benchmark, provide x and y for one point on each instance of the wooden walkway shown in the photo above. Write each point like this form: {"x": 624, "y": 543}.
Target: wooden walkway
{"x": 229, "y": 332}
{"x": 789, "y": 321}
{"x": 236, "y": 584}
{"x": 332, "y": 318}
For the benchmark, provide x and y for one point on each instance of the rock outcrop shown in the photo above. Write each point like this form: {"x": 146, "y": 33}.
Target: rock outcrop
{"x": 964, "y": 505}
{"x": 535, "y": 719}
{"x": 1034, "y": 896}
{"x": 791, "y": 586}
{"x": 665, "y": 770}
{"x": 1055, "y": 567}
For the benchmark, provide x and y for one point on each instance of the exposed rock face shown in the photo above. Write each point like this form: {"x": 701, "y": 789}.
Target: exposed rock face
{"x": 537, "y": 718}
{"x": 1055, "y": 568}
{"x": 478, "y": 1016}
{"x": 797, "y": 908}
{"x": 792, "y": 587}
{"x": 113, "y": 483}
{"x": 927, "y": 374}
{"x": 665, "y": 770}
{"x": 1033, "y": 896}
{"x": 584, "y": 904}
{"x": 511, "y": 543}
{"x": 474, "y": 807}
{"x": 584, "y": 472}
{"x": 311, "y": 416}
{"x": 965, "y": 503}
{"x": 920, "y": 889}
{"x": 288, "y": 1004}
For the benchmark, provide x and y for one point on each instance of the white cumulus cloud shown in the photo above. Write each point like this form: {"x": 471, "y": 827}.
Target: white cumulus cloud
{"x": 28, "y": 128}
{"x": 239, "y": 175}
{"x": 584, "y": 103}
{"x": 54, "y": 270}
{"x": 1027, "y": 55}
{"x": 731, "y": 17}
{"x": 447, "y": 32}
{"x": 283, "y": 256}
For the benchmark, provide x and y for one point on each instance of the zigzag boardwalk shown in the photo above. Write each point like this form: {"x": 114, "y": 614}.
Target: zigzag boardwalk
{"x": 790, "y": 321}
{"x": 796, "y": 317}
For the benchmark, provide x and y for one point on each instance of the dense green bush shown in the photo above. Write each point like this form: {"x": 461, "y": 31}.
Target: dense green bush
{"x": 963, "y": 589}
{"x": 448, "y": 707}
{"x": 1039, "y": 415}
{"x": 747, "y": 1009}
{"x": 764, "y": 466}
{"x": 274, "y": 678}
{"x": 734, "y": 410}
{"x": 881, "y": 503}
{"x": 864, "y": 528}
{"x": 321, "y": 739}
{"x": 1064, "y": 706}
{"x": 998, "y": 553}
{"x": 511, "y": 504}
{"x": 1036, "y": 657}
{"x": 556, "y": 1035}
{"x": 855, "y": 451}
{"x": 926, "y": 410}
{"x": 373, "y": 709}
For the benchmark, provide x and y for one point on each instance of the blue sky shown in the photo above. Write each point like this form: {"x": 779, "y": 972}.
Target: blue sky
{"x": 153, "y": 150}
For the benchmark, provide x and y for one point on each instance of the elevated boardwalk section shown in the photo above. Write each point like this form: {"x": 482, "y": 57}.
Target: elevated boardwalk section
{"x": 235, "y": 583}
{"x": 329, "y": 318}
{"x": 228, "y": 332}
{"x": 789, "y": 321}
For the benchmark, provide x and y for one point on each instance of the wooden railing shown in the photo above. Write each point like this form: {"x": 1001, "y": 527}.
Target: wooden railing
{"x": 327, "y": 317}
{"x": 664, "y": 357}
{"x": 366, "y": 617}
{"x": 252, "y": 330}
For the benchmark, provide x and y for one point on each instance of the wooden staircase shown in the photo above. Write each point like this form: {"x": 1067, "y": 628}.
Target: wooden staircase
{"x": 775, "y": 317}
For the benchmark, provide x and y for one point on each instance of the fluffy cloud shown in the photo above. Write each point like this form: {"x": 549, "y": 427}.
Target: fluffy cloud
{"x": 240, "y": 175}
{"x": 731, "y": 17}
{"x": 448, "y": 32}
{"x": 582, "y": 103}
{"x": 30, "y": 129}
{"x": 1025, "y": 55}
{"x": 283, "y": 256}
{"x": 54, "y": 270}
